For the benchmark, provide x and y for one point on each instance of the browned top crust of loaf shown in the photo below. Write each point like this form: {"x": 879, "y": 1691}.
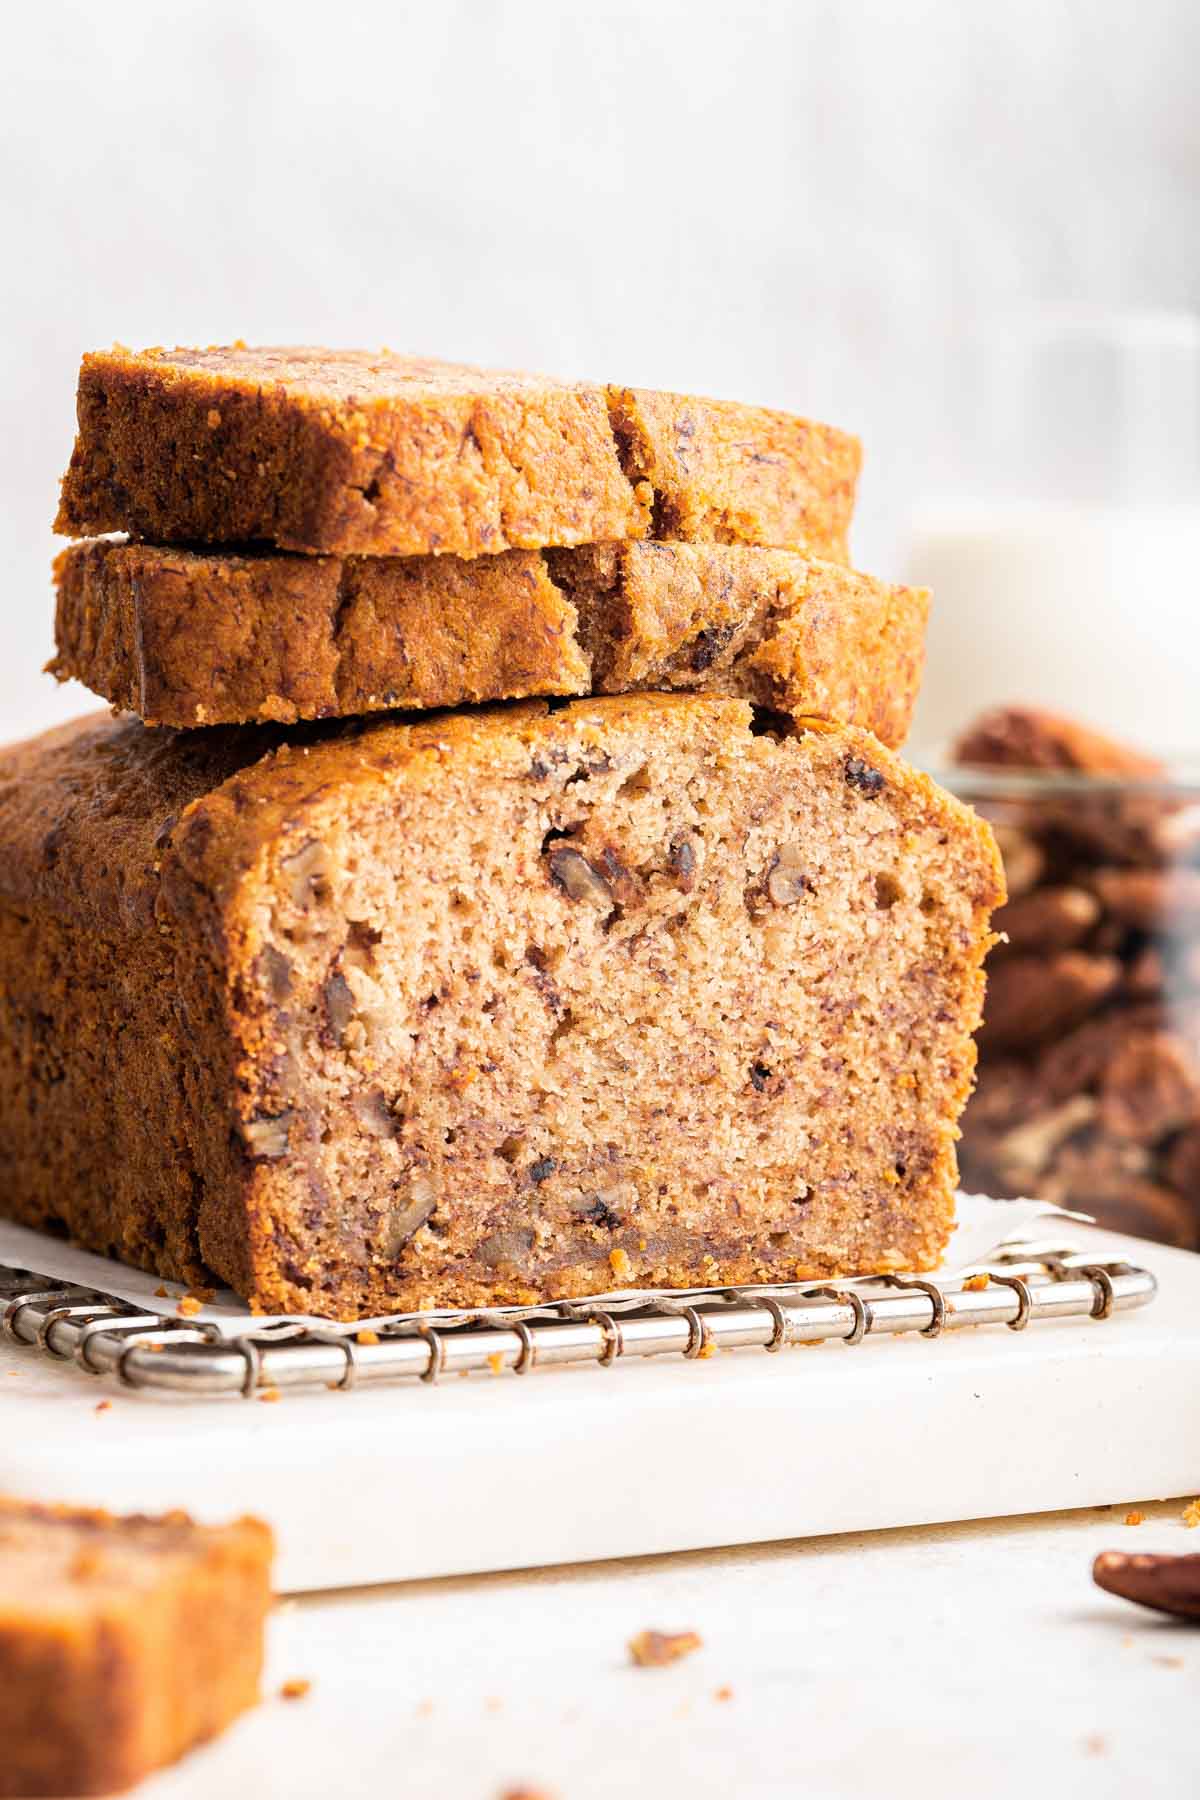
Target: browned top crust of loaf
{"x": 623, "y": 989}
{"x": 87, "y": 810}
{"x": 188, "y": 638}
{"x": 371, "y": 453}
{"x": 123, "y": 1641}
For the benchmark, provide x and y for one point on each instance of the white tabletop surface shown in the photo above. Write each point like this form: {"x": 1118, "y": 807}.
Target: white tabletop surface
{"x": 964, "y": 1660}
{"x": 388, "y": 1483}
{"x": 954, "y": 1660}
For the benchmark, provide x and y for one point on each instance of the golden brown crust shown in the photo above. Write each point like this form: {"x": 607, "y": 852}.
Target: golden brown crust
{"x": 344, "y": 964}
{"x": 186, "y": 638}
{"x": 97, "y": 796}
{"x": 376, "y": 454}
{"x": 123, "y": 1642}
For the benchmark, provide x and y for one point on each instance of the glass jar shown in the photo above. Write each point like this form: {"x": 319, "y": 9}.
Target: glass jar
{"x": 1088, "y": 1090}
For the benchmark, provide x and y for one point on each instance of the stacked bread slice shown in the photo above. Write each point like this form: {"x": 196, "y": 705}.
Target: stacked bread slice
{"x": 325, "y": 979}
{"x": 435, "y": 537}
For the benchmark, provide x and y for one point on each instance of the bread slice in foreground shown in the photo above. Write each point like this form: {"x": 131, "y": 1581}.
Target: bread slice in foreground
{"x": 487, "y": 1007}
{"x": 371, "y": 453}
{"x": 189, "y": 638}
{"x": 123, "y": 1642}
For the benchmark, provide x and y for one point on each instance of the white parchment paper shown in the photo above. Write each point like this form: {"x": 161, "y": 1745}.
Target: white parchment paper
{"x": 983, "y": 1225}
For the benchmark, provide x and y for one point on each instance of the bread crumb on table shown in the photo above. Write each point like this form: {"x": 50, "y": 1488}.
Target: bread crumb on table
{"x": 1191, "y": 1514}
{"x": 297, "y": 1687}
{"x": 94, "y": 1696}
{"x": 189, "y": 1306}
{"x": 270, "y": 1394}
{"x": 1135, "y": 1517}
{"x": 975, "y": 1284}
{"x": 654, "y": 1649}
{"x": 103, "y": 1406}
{"x": 496, "y": 1362}
{"x": 724, "y": 1692}
{"x": 366, "y": 1337}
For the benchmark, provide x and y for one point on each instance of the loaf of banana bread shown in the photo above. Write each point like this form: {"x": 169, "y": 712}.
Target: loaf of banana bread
{"x": 186, "y": 638}
{"x": 123, "y": 1642}
{"x": 489, "y": 1006}
{"x": 372, "y": 453}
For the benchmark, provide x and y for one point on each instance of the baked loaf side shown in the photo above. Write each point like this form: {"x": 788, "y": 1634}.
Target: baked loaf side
{"x": 491, "y": 1007}
{"x": 123, "y": 1642}
{"x": 185, "y": 638}
{"x": 376, "y": 454}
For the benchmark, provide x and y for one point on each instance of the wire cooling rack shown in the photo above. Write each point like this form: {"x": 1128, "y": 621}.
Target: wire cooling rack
{"x": 1027, "y": 1285}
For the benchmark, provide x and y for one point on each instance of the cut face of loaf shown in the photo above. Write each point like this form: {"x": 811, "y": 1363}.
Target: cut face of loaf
{"x": 123, "y": 1642}
{"x": 371, "y": 453}
{"x": 489, "y": 1007}
{"x": 187, "y": 638}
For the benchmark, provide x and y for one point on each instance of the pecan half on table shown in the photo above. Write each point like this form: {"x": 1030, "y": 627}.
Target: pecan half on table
{"x": 1167, "y": 1584}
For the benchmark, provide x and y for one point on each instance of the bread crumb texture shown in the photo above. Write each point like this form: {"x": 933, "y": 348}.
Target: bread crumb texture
{"x": 495, "y": 1006}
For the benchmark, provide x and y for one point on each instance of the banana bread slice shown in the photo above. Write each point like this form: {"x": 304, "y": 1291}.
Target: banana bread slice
{"x": 123, "y": 1642}
{"x": 496, "y": 1006}
{"x": 372, "y": 453}
{"x": 189, "y": 638}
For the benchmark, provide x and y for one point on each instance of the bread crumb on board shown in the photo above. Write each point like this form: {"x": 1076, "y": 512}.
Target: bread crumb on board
{"x": 654, "y": 1649}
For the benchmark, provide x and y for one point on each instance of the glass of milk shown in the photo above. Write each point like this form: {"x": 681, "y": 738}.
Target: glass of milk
{"x": 1065, "y": 563}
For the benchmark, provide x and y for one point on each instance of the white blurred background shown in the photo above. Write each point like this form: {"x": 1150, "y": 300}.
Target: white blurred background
{"x": 808, "y": 205}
